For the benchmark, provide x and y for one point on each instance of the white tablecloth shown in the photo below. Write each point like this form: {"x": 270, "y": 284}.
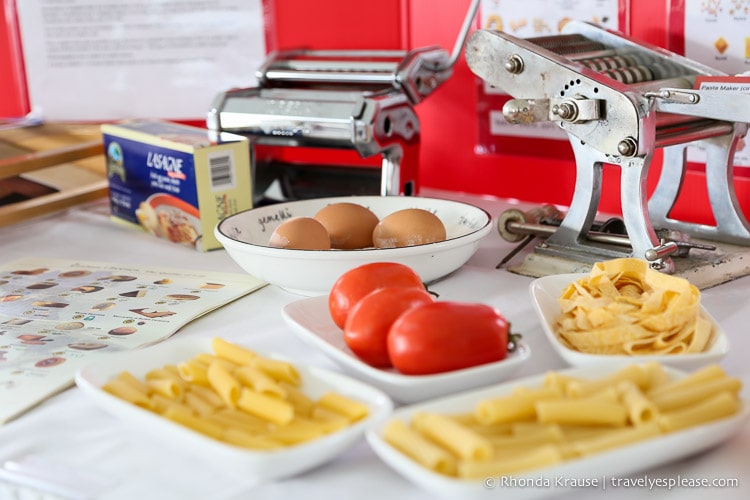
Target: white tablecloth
{"x": 70, "y": 436}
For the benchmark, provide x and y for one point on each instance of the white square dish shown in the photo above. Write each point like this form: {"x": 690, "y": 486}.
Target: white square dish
{"x": 546, "y": 482}
{"x": 261, "y": 465}
{"x": 311, "y": 321}
{"x": 544, "y": 294}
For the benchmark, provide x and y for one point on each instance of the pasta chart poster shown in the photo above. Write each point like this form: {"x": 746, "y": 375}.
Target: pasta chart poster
{"x": 716, "y": 34}
{"x": 57, "y": 316}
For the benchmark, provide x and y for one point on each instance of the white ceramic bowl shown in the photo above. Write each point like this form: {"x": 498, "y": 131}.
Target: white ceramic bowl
{"x": 259, "y": 465}
{"x": 310, "y": 321}
{"x": 245, "y": 236}
{"x": 544, "y": 293}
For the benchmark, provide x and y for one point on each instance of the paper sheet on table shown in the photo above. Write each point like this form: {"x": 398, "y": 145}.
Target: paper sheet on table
{"x": 58, "y": 315}
{"x": 95, "y": 458}
{"x": 98, "y": 60}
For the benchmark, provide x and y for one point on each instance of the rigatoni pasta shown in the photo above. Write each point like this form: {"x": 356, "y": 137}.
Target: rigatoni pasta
{"x": 582, "y": 411}
{"x": 260, "y": 381}
{"x": 239, "y": 397}
{"x": 518, "y": 406}
{"x": 640, "y": 409}
{"x": 458, "y": 439}
{"x": 352, "y": 410}
{"x": 130, "y": 393}
{"x": 194, "y": 371}
{"x": 688, "y": 395}
{"x": 279, "y": 370}
{"x": 564, "y": 418}
{"x": 604, "y": 441}
{"x": 531, "y": 458}
{"x": 719, "y": 406}
{"x": 418, "y": 447}
{"x": 276, "y": 411}
{"x": 232, "y": 352}
{"x": 226, "y": 385}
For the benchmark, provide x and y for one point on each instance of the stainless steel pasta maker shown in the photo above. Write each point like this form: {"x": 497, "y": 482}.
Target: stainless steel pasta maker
{"x": 362, "y": 100}
{"x": 619, "y": 100}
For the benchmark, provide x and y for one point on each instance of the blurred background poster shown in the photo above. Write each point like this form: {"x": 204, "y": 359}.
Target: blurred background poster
{"x": 717, "y": 35}
{"x": 98, "y": 60}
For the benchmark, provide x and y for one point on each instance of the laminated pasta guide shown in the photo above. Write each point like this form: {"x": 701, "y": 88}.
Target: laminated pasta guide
{"x": 58, "y": 315}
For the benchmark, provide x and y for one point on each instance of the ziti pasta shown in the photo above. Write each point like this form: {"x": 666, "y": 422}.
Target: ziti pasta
{"x": 236, "y": 396}
{"x": 625, "y": 307}
{"x": 535, "y": 427}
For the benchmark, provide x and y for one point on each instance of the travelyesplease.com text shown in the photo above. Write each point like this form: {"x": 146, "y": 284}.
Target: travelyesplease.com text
{"x": 605, "y": 482}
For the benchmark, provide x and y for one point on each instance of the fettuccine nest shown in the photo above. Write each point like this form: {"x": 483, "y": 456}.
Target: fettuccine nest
{"x": 625, "y": 307}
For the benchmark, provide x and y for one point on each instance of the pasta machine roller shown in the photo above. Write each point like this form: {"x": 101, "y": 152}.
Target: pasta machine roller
{"x": 618, "y": 100}
{"x": 346, "y": 99}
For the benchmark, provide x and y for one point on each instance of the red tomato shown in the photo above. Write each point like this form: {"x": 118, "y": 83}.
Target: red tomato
{"x": 358, "y": 282}
{"x": 368, "y": 322}
{"x": 444, "y": 336}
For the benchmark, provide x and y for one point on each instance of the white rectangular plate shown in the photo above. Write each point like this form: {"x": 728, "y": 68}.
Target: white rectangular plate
{"x": 615, "y": 463}
{"x": 544, "y": 293}
{"x": 311, "y": 321}
{"x": 263, "y": 465}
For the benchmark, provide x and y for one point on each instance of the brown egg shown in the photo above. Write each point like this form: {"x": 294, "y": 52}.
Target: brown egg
{"x": 301, "y": 233}
{"x": 408, "y": 227}
{"x": 349, "y": 225}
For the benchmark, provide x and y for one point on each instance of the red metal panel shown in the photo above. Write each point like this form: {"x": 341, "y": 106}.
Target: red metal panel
{"x": 14, "y": 100}
{"x": 334, "y": 24}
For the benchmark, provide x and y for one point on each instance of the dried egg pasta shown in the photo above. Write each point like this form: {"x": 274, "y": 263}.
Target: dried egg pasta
{"x": 625, "y": 307}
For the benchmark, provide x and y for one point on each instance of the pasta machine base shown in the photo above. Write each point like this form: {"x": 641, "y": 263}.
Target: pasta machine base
{"x": 703, "y": 268}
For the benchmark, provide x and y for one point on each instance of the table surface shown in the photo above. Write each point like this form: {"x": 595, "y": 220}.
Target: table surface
{"x": 71, "y": 436}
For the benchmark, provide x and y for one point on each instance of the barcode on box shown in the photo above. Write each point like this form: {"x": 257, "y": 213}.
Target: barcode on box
{"x": 221, "y": 170}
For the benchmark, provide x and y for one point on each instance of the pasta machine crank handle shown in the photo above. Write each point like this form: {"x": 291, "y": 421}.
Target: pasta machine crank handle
{"x": 463, "y": 33}
{"x": 529, "y": 238}
{"x": 571, "y": 110}
{"x": 541, "y": 214}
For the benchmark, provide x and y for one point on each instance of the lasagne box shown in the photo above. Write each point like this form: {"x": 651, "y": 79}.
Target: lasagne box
{"x": 175, "y": 181}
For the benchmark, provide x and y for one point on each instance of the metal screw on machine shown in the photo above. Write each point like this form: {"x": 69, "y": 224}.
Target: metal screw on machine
{"x": 431, "y": 82}
{"x": 514, "y": 64}
{"x": 567, "y": 111}
{"x": 627, "y": 147}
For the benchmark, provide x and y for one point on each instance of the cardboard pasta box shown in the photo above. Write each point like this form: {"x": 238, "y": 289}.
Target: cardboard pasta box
{"x": 175, "y": 181}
